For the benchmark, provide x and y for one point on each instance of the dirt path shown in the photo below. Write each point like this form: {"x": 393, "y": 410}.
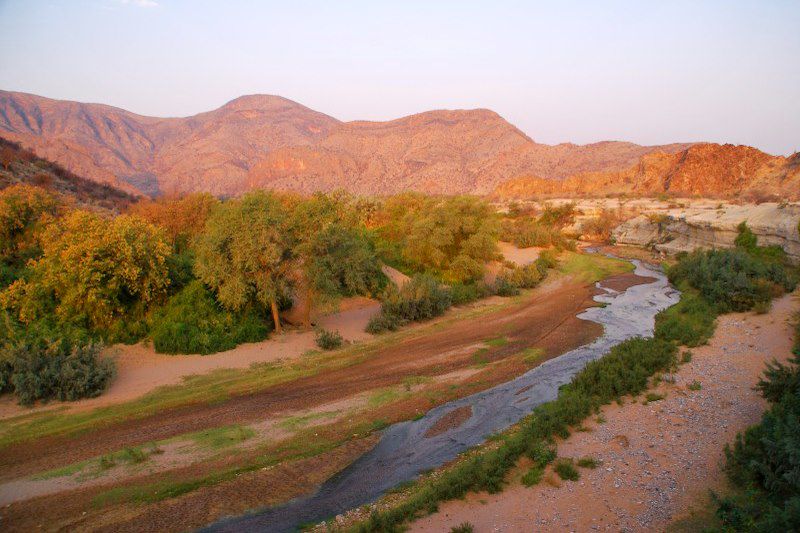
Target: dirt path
{"x": 658, "y": 460}
{"x": 545, "y": 320}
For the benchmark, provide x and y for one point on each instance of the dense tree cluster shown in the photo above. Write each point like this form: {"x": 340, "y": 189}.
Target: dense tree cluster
{"x": 197, "y": 275}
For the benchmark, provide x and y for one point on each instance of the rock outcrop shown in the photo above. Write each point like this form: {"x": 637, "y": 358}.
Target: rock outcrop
{"x": 705, "y": 170}
{"x": 681, "y": 230}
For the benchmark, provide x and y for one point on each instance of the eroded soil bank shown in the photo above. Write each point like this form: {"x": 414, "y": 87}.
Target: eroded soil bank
{"x": 659, "y": 459}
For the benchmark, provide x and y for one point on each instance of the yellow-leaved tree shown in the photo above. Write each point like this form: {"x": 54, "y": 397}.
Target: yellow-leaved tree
{"x": 92, "y": 271}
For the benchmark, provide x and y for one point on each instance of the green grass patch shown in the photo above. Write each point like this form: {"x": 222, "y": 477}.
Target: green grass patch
{"x": 411, "y": 381}
{"x": 695, "y": 385}
{"x": 533, "y": 476}
{"x": 481, "y": 357}
{"x": 63, "y": 471}
{"x": 222, "y": 437}
{"x": 653, "y": 397}
{"x": 588, "y": 462}
{"x": 293, "y": 423}
{"x": 383, "y": 396}
{"x": 496, "y": 342}
{"x": 592, "y": 267}
{"x": 532, "y": 355}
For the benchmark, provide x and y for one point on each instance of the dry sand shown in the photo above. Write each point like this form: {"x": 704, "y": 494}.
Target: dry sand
{"x": 659, "y": 460}
{"x": 140, "y": 369}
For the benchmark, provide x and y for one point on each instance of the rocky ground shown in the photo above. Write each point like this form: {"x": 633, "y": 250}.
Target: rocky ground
{"x": 659, "y": 459}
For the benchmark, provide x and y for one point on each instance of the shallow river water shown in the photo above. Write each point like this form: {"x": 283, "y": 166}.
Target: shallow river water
{"x": 405, "y": 451}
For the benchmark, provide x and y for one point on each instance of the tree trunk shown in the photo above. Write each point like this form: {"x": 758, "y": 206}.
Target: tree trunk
{"x": 274, "y": 306}
{"x": 307, "y": 310}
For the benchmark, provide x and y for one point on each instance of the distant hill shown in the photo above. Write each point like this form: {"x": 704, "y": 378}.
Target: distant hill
{"x": 268, "y": 141}
{"x": 710, "y": 170}
{"x": 20, "y": 166}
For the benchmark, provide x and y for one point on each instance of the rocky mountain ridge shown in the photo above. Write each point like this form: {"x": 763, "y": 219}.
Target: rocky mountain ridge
{"x": 268, "y": 141}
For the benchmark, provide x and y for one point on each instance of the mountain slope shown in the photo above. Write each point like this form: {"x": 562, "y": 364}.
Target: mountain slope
{"x": 269, "y": 141}
{"x": 710, "y": 170}
{"x": 21, "y": 167}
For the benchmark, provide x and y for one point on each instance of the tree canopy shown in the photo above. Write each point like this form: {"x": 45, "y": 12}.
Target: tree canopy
{"x": 93, "y": 270}
{"x": 453, "y": 236}
{"x": 245, "y": 253}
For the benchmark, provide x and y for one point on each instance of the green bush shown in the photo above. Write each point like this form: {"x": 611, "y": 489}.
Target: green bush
{"x": 504, "y": 286}
{"x": 383, "y": 322}
{"x": 690, "y": 322}
{"x": 566, "y": 470}
{"x": 463, "y": 293}
{"x": 328, "y": 340}
{"x": 733, "y": 280}
{"x": 421, "y": 298}
{"x": 36, "y": 368}
{"x": 193, "y": 322}
{"x": 764, "y": 461}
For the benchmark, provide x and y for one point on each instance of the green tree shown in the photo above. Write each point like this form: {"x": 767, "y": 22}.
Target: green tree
{"x": 246, "y": 252}
{"x": 335, "y": 256}
{"x": 452, "y": 237}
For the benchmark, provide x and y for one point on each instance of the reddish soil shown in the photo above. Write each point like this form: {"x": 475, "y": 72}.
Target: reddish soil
{"x": 546, "y": 320}
{"x": 623, "y": 281}
{"x": 451, "y": 420}
{"x": 75, "y": 510}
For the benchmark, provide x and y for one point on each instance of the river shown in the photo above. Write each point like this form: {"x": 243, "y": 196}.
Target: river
{"x": 405, "y": 450}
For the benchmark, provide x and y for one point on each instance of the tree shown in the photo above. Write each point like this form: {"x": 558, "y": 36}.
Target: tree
{"x": 245, "y": 253}
{"x": 334, "y": 255}
{"x": 452, "y": 237}
{"x": 183, "y": 218}
{"x": 24, "y": 211}
{"x": 93, "y": 270}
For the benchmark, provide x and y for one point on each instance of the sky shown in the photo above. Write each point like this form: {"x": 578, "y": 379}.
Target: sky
{"x": 649, "y": 72}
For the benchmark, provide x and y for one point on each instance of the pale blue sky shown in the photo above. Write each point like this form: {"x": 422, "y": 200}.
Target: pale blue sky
{"x": 644, "y": 71}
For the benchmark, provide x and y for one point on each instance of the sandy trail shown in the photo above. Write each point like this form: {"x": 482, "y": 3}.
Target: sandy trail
{"x": 659, "y": 459}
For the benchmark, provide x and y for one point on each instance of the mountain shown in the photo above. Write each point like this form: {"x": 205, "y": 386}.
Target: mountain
{"x": 269, "y": 141}
{"x": 21, "y": 167}
{"x": 710, "y": 170}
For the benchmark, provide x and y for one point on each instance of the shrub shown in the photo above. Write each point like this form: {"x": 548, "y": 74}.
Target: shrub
{"x": 465, "y": 527}
{"x": 463, "y": 293}
{"x": 690, "y": 322}
{"x": 383, "y": 322}
{"x": 328, "y": 340}
{"x": 42, "y": 369}
{"x": 589, "y": 462}
{"x": 764, "y": 461}
{"x": 734, "y": 280}
{"x": 533, "y": 476}
{"x": 193, "y": 322}
{"x": 566, "y": 470}
{"x": 601, "y": 226}
{"x": 504, "y": 286}
{"x": 421, "y": 298}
